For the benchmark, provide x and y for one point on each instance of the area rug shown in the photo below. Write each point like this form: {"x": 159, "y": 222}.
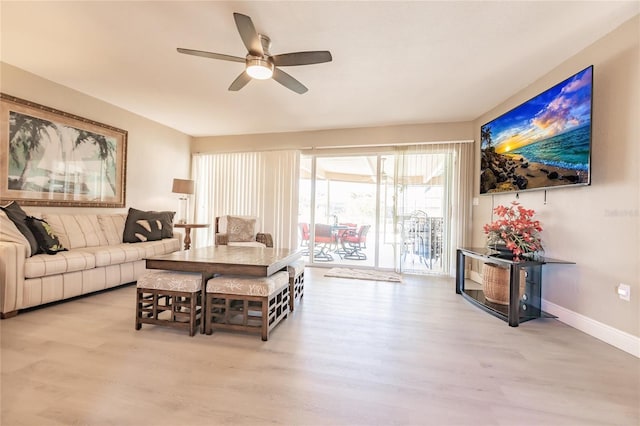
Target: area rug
{"x": 364, "y": 274}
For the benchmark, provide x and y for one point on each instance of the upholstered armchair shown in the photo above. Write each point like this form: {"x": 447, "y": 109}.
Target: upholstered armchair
{"x": 240, "y": 231}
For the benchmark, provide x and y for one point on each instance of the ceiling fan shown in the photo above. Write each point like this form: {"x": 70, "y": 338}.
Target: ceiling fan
{"x": 259, "y": 63}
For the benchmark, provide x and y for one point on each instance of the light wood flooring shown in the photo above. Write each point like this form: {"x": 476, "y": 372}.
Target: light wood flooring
{"x": 353, "y": 353}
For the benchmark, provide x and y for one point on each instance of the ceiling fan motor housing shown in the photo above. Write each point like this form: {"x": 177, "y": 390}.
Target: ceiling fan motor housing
{"x": 260, "y": 68}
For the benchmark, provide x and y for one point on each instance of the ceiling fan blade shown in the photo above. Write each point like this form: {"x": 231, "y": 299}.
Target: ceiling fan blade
{"x": 289, "y": 82}
{"x": 240, "y": 82}
{"x": 211, "y": 55}
{"x": 248, "y": 34}
{"x": 302, "y": 58}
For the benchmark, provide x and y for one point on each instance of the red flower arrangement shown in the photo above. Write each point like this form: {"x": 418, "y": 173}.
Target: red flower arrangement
{"x": 516, "y": 229}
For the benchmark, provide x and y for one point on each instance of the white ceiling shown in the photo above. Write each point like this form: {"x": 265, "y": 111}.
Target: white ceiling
{"x": 394, "y": 62}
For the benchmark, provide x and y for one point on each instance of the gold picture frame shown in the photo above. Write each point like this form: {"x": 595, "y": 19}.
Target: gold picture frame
{"x": 52, "y": 158}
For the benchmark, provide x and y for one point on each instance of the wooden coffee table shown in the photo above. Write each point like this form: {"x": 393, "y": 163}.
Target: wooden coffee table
{"x": 253, "y": 261}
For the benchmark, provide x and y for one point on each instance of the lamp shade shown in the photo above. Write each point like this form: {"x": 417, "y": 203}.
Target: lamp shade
{"x": 182, "y": 186}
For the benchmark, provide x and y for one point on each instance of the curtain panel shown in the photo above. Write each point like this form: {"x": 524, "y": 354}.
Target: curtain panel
{"x": 260, "y": 184}
{"x": 454, "y": 163}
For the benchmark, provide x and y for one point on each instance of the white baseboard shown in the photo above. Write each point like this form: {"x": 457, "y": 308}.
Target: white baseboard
{"x": 620, "y": 339}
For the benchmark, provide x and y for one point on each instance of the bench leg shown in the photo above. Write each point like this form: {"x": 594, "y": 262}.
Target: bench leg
{"x": 292, "y": 292}
{"x": 138, "y": 308}
{"x": 265, "y": 320}
{"x": 208, "y": 318}
{"x": 194, "y": 313}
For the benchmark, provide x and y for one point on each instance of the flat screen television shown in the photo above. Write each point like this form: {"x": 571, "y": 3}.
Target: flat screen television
{"x": 543, "y": 143}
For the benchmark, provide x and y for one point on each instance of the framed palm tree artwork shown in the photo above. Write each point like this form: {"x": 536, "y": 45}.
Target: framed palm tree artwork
{"x": 52, "y": 158}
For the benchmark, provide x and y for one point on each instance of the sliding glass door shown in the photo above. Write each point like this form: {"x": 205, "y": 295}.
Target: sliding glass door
{"x": 386, "y": 211}
{"x": 338, "y": 210}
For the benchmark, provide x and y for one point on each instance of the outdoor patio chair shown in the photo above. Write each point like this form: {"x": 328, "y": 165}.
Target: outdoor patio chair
{"x": 304, "y": 234}
{"x": 353, "y": 243}
{"x": 343, "y": 230}
{"x": 324, "y": 240}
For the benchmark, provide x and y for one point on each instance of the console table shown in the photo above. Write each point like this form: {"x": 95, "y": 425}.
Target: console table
{"x": 519, "y": 309}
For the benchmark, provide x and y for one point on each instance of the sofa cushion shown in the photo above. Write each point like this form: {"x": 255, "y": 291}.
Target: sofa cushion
{"x": 112, "y": 227}
{"x": 47, "y": 241}
{"x": 9, "y": 232}
{"x": 90, "y": 257}
{"x": 42, "y": 265}
{"x": 116, "y": 254}
{"x": 19, "y": 218}
{"x": 164, "y": 246}
{"x": 76, "y": 231}
{"x": 241, "y": 229}
{"x": 147, "y": 226}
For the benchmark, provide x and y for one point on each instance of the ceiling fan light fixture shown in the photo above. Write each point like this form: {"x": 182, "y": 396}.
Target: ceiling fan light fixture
{"x": 259, "y": 69}
{"x": 259, "y": 63}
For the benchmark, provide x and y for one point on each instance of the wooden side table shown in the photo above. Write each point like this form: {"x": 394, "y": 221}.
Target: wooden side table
{"x": 187, "y": 231}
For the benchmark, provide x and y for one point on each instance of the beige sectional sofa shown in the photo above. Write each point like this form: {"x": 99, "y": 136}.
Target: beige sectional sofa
{"x": 96, "y": 259}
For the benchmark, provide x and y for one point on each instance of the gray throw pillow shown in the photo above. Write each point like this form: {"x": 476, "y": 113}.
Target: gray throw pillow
{"x": 19, "y": 217}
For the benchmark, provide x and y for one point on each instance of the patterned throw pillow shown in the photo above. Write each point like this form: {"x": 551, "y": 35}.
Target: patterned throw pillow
{"x": 47, "y": 241}
{"x": 241, "y": 229}
{"x": 147, "y": 226}
{"x": 19, "y": 218}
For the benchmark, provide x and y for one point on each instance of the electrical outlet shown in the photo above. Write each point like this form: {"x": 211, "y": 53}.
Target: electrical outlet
{"x": 624, "y": 292}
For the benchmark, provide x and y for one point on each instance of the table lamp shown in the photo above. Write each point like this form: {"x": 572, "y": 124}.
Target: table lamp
{"x": 184, "y": 187}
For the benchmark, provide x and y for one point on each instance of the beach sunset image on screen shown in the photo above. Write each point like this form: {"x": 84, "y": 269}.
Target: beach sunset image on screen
{"x": 543, "y": 143}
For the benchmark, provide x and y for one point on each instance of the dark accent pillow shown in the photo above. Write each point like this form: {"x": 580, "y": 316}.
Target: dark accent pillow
{"x": 147, "y": 226}
{"x": 47, "y": 241}
{"x": 19, "y": 217}
{"x": 167, "y": 223}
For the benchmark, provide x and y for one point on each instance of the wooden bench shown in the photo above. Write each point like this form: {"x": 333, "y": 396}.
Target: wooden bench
{"x": 296, "y": 282}
{"x": 169, "y": 298}
{"x": 244, "y": 303}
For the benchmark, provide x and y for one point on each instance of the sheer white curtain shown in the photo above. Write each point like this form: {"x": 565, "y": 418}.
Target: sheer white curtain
{"x": 449, "y": 164}
{"x": 261, "y": 184}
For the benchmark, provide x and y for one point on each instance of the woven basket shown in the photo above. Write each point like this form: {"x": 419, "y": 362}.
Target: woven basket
{"x": 495, "y": 284}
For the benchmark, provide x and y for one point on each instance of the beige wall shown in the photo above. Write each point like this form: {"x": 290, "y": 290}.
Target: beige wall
{"x": 155, "y": 153}
{"x": 595, "y": 226}
{"x": 407, "y": 134}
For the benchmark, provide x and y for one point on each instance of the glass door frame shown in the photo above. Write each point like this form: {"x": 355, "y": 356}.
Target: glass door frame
{"x": 312, "y": 219}
{"x": 397, "y": 239}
